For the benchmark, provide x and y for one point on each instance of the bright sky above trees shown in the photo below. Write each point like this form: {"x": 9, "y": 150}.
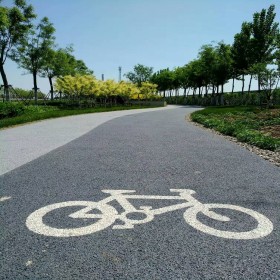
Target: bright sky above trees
{"x": 107, "y": 34}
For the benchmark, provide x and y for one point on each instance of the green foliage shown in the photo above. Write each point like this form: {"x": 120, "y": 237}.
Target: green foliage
{"x": 164, "y": 79}
{"x": 15, "y": 22}
{"x": 244, "y": 123}
{"x": 87, "y": 87}
{"x": 9, "y": 109}
{"x": 230, "y": 99}
{"x": 14, "y": 109}
{"x": 32, "y": 52}
{"x": 140, "y": 74}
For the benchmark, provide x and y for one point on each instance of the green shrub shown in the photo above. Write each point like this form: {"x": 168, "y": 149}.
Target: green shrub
{"x": 11, "y": 109}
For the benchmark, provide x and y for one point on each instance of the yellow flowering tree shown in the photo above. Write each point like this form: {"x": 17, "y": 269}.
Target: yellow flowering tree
{"x": 148, "y": 90}
{"x": 127, "y": 90}
{"x": 77, "y": 86}
{"x": 87, "y": 87}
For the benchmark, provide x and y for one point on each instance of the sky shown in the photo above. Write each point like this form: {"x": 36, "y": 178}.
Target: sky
{"x": 107, "y": 34}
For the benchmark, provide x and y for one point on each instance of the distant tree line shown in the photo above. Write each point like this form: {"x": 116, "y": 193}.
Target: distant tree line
{"x": 254, "y": 52}
{"x": 32, "y": 45}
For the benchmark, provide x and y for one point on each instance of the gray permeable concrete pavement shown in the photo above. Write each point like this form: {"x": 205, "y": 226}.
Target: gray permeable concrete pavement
{"x": 150, "y": 153}
{"x": 24, "y": 143}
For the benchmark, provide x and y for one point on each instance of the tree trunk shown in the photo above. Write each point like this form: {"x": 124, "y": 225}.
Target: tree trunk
{"x": 259, "y": 89}
{"x": 232, "y": 89}
{"x": 35, "y": 86}
{"x": 206, "y": 91}
{"x": 249, "y": 88}
{"x": 213, "y": 95}
{"x": 51, "y": 85}
{"x": 5, "y": 82}
{"x": 217, "y": 96}
{"x": 185, "y": 92}
{"x": 243, "y": 83}
{"x": 222, "y": 96}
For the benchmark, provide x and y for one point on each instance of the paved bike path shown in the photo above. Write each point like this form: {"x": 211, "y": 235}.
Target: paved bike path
{"x": 24, "y": 143}
{"x": 150, "y": 153}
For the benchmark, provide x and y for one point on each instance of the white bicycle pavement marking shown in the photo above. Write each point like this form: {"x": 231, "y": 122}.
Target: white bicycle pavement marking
{"x": 4, "y": 198}
{"x": 22, "y": 144}
{"x": 108, "y": 215}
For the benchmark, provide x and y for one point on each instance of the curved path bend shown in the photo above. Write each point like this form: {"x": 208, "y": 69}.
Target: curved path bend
{"x": 47, "y": 200}
{"x": 24, "y": 143}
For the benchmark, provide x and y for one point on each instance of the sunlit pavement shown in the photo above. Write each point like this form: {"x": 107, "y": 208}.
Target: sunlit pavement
{"x": 203, "y": 207}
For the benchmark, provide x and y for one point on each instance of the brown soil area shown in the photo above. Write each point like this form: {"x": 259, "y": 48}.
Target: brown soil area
{"x": 273, "y": 131}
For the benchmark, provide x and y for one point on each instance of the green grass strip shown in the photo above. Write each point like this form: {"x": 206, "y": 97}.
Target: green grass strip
{"x": 244, "y": 123}
{"x": 35, "y": 116}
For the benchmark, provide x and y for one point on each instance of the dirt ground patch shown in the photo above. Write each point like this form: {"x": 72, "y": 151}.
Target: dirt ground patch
{"x": 273, "y": 131}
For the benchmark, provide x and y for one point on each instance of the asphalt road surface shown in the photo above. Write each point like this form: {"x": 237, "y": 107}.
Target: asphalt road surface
{"x": 53, "y": 227}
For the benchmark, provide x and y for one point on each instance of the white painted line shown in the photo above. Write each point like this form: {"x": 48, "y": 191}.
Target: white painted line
{"x": 3, "y": 198}
{"x": 28, "y": 263}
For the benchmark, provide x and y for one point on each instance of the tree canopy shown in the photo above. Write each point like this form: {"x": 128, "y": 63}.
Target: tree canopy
{"x": 140, "y": 74}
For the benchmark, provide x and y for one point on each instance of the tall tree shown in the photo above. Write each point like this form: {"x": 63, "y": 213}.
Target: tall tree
{"x": 81, "y": 68}
{"x": 264, "y": 36}
{"x": 196, "y": 76}
{"x": 241, "y": 53}
{"x": 32, "y": 53}
{"x": 207, "y": 57}
{"x": 61, "y": 62}
{"x": 223, "y": 67}
{"x": 164, "y": 80}
{"x": 139, "y": 74}
{"x": 56, "y": 64}
{"x": 182, "y": 77}
{"x": 14, "y": 25}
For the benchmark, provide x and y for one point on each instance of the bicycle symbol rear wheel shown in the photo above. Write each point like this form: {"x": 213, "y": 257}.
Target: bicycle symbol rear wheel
{"x": 107, "y": 216}
{"x": 263, "y": 228}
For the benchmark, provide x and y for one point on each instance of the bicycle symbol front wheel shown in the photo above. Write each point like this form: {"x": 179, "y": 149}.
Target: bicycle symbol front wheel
{"x": 105, "y": 218}
{"x": 263, "y": 228}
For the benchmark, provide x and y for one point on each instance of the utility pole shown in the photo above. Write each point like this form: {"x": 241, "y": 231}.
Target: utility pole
{"x": 120, "y": 73}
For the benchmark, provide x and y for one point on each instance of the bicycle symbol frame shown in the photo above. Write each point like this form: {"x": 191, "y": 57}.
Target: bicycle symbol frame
{"x": 108, "y": 215}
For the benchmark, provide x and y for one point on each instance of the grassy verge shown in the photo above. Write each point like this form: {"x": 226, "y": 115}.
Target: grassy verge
{"x": 252, "y": 125}
{"x": 43, "y": 112}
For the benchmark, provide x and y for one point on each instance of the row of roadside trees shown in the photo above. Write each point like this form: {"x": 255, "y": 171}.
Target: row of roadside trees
{"x": 32, "y": 45}
{"x": 255, "y": 52}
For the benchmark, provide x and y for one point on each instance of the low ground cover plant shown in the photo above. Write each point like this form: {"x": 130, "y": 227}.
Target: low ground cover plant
{"x": 259, "y": 127}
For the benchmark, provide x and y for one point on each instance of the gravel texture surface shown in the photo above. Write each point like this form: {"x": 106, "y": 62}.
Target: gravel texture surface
{"x": 24, "y": 143}
{"x": 150, "y": 153}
